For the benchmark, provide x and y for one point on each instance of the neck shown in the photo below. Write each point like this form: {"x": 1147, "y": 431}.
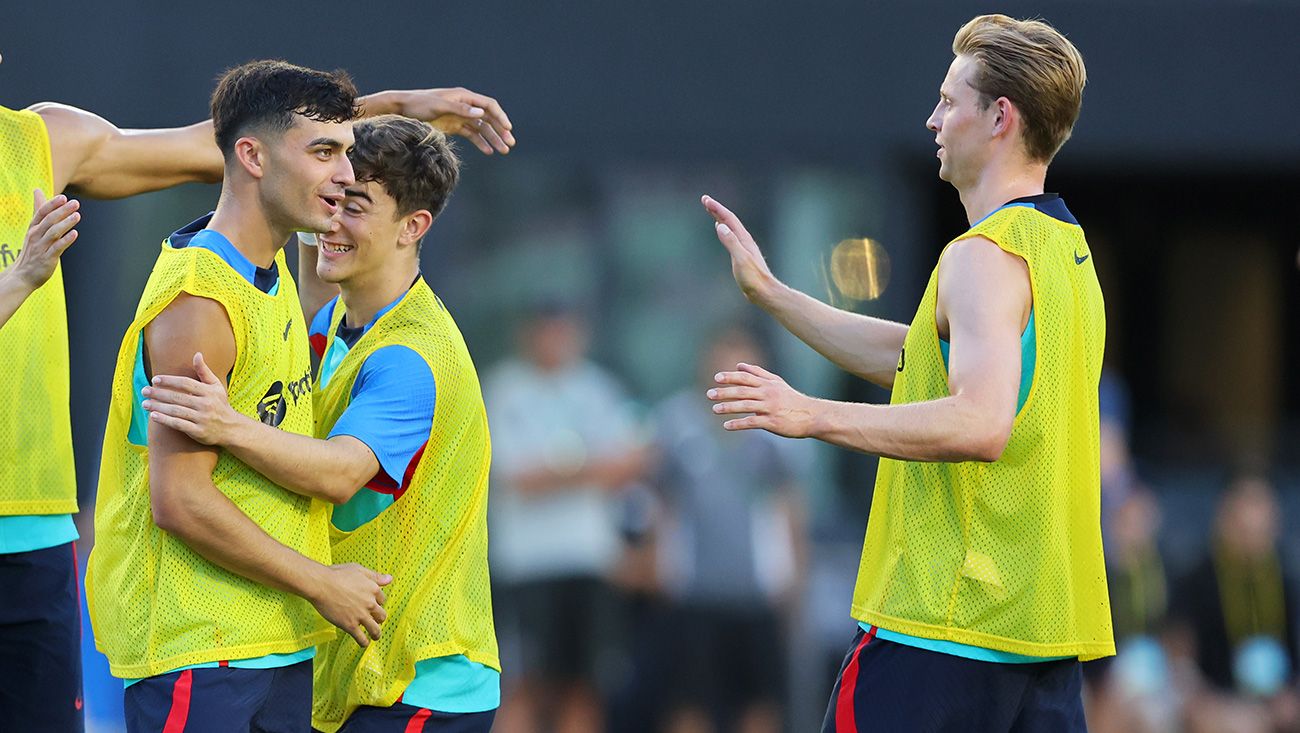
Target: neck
{"x": 364, "y": 297}
{"x": 998, "y": 184}
{"x": 243, "y": 221}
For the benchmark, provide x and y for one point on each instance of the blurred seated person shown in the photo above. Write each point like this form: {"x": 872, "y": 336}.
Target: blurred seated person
{"x": 1237, "y": 610}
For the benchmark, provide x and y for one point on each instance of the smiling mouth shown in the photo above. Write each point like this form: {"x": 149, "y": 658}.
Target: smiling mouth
{"x": 334, "y": 248}
{"x": 330, "y": 203}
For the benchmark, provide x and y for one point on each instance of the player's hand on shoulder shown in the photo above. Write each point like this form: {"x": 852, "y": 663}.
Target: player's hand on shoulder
{"x": 200, "y": 408}
{"x": 459, "y": 111}
{"x": 352, "y": 598}
{"x": 749, "y": 268}
{"x": 769, "y": 403}
{"x": 50, "y": 232}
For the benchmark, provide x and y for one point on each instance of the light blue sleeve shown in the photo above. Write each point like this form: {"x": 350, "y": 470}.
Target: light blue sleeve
{"x": 392, "y": 406}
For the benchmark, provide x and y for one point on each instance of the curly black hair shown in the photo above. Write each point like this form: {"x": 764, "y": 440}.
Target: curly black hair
{"x": 267, "y": 94}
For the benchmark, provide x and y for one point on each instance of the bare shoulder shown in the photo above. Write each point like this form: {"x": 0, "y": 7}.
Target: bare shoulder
{"x": 74, "y": 135}
{"x": 978, "y": 276}
{"x": 980, "y": 254}
{"x": 190, "y": 325}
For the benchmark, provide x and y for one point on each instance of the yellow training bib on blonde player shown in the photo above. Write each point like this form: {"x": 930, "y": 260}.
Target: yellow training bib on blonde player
{"x": 433, "y": 539}
{"x": 1004, "y": 555}
{"x": 36, "y": 469}
{"x": 156, "y": 604}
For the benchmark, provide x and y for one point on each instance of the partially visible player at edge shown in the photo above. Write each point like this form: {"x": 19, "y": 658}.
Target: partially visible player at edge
{"x": 204, "y": 575}
{"x": 401, "y": 446}
{"x": 981, "y": 585}
{"x": 53, "y": 148}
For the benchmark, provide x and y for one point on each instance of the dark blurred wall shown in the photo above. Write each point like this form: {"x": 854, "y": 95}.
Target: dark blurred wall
{"x": 1178, "y": 85}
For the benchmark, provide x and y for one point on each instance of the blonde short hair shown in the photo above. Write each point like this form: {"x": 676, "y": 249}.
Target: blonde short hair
{"x": 1030, "y": 63}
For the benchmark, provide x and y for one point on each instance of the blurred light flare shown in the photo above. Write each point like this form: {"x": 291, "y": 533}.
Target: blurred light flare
{"x": 860, "y": 269}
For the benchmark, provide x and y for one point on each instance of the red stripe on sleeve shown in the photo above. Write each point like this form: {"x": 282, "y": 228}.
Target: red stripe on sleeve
{"x": 180, "y": 711}
{"x": 845, "y": 719}
{"x": 416, "y": 723}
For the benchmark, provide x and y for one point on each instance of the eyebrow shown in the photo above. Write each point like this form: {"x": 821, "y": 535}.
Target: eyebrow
{"x": 328, "y": 142}
{"x": 358, "y": 193}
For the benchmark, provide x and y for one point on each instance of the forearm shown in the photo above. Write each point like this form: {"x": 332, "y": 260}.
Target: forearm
{"x": 949, "y": 430}
{"x": 861, "y": 345}
{"x": 389, "y": 102}
{"x": 13, "y": 293}
{"x": 211, "y": 525}
{"x": 313, "y": 292}
{"x": 331, "y": 470}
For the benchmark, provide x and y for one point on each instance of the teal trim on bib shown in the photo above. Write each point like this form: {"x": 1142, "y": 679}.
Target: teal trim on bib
{"x": 269, "y": 661}
{"x": 967, "y": 651}
{"x": 454, "y": 684}
{"x": 28, "y": 532}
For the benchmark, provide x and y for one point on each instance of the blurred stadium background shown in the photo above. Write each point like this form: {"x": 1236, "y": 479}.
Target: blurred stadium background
{"x": 807, "y": 119}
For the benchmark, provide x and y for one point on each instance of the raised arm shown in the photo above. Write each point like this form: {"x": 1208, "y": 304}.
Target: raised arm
{"x": 984, "y": 298}
{"x": 96, "y": 159}
{"x": 186, "y": 504}
{"x": 861, "y": 345}
{"x": 49, "y": 234}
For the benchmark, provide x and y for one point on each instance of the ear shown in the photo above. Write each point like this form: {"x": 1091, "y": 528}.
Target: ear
{"x": 1005, "y": 116}
{"x": 251, "y": 156}
{"x": 414, "y": 226}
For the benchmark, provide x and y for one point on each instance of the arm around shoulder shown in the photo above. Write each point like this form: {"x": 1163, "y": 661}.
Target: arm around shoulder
{"x": 99, "y": 160}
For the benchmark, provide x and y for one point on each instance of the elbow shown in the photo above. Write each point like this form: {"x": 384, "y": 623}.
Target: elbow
{"x": 988, "y": 444}
{"x": 170, "y": 513}
{"x": 342, "y": 488}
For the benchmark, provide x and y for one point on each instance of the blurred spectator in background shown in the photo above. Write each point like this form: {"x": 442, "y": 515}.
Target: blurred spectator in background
{"x": 1132, "y": 692}
{"x": 565, "y": 447}
{"x": 731, "y": 549}
{"x": 1237, "y": 609}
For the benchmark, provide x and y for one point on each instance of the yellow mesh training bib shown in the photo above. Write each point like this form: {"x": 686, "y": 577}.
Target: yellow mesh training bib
{"x": 156, "y": 604}
{"x": 36, "y": 469}
{"x": 1004, "y": 555}
{"x": 433, "y": 539}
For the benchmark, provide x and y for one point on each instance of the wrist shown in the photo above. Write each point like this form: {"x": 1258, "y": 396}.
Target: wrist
{"x": 383, "y": 103}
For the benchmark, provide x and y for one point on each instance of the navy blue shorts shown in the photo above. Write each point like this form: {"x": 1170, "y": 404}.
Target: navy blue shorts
{"x": 222, "y": 700}
{"x": 403, "y": 718}
{"x": 885, "y": 686}
{"x": 40, "y": 641}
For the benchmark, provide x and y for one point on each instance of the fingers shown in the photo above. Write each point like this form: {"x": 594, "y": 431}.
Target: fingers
{"x": 753, "y": 422}
{"x": 493, "y": 113}
{"x": 732, "y": 393}
{"x": 745, "y": 379}
{"x": 175, "y": 423}
{"x": 172, "y": 383}
{"x": 41, "y": 207}
{"x": 63, "y": 243}
{"x": 756, "y": 370}
{"x": 381, "y": 597}
{"x": 471, "y": 132}
{"x": 363, "y": 639}
{"x": 722, "y": 215}
{"x": 172, "y": 410}
{"x": 62, "y": 220}
{"x": 380, "y": 578}
{"x": 371, "y": 626}
{"x": 159, "y": 395}
{"x": 740, "y": 406}
{"x": 56, "y": 211}
{"x": 201, "y": 369}
{"x": 493, "y": 136}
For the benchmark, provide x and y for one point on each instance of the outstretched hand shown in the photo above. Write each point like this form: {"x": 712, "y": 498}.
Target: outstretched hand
{"x": 771, "y": 404}
{"x": 749, "y": 268}
{"x": 200, "y": 408}
{"x": 459, "y": 111}
{"x": 49, "y": 234}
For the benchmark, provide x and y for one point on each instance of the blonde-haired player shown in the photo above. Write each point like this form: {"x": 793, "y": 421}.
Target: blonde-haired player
{"x": 981, "y": 584}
